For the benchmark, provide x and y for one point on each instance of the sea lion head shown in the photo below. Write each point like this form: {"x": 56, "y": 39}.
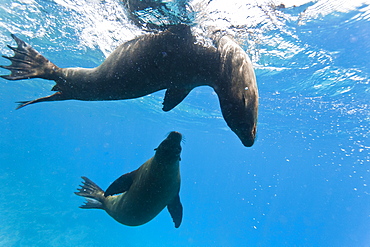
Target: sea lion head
{"x": 240, "y": 113}
{"x": 237, "y": 90}
{"x": 170, "y": 148}
{"x": 244, "y": 120}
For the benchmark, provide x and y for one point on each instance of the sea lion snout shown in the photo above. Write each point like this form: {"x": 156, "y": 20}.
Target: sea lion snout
{"x": 175, "y": 137}
{"x": 245, "y": 126}
{"x": 247, "y": 137}
{"x": 172, "y": 142}
{"x": 171, "y": 146}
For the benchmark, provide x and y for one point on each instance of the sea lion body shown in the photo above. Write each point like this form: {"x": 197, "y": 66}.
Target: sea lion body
{"x": 142, "y": 66}
{"x": 168, "y": 60}
{"x": 145, "y": 191}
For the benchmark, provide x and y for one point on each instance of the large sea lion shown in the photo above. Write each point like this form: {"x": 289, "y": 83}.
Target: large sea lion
{"x": 167, "y": 60}
{"x": 145, "y": 191}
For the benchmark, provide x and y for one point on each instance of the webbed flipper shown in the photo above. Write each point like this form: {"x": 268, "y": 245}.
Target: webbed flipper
{"x": 121, "y": 184}
{"x": 175, "y": 209}
{"x": 93, "y": 194}
{"x": 28, "y": 63}
{"x": 54, "y": 97}
{"x": 174, "y": 96}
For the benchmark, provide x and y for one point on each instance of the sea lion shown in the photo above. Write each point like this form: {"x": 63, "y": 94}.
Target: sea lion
{"x": 167, "y": 60}
{"x": 145, "y": 191}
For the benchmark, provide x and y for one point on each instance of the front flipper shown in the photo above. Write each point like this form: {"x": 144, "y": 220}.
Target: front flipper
{"x": 121, "y": 184}
{"x": 175, "y": 209}
{"x": 174, "y": 96}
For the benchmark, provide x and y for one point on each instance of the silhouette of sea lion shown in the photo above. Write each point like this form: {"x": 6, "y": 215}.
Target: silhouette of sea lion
{"x": 145, "y": 191}
{"x": 168, "y": 60}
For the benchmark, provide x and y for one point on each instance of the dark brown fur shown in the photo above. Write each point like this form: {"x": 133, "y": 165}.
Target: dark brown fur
{"x": 168, "y": 60}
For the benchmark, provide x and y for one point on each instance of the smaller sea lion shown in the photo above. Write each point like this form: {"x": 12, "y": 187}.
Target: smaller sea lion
{"x": 145, "y": 192}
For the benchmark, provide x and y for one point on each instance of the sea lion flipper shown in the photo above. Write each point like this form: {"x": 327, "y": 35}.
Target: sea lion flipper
{"x": 54, "y": 97}
{"x": 93, "y": 194}
{"x": 173, "y": 97}
{"x": 175, "y": 209}
{"x": 28, "y": 63}
{"x": 121, "y": 184}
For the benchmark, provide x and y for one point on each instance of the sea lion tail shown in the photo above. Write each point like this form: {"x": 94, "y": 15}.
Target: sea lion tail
{"x": 93, "y": 194}
{"x": 28, "y": 63}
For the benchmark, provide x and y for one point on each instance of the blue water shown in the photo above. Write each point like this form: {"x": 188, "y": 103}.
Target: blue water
{"x": 305, "y": 182}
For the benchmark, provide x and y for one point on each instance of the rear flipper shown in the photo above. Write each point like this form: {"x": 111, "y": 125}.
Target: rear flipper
{"x": 54, "y": 97}
{"x": 28, "y": 63}
{"x": 93, "y": 194}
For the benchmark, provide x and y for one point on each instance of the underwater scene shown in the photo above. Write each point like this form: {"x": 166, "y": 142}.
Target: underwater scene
{"x": 299, "y": 174}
